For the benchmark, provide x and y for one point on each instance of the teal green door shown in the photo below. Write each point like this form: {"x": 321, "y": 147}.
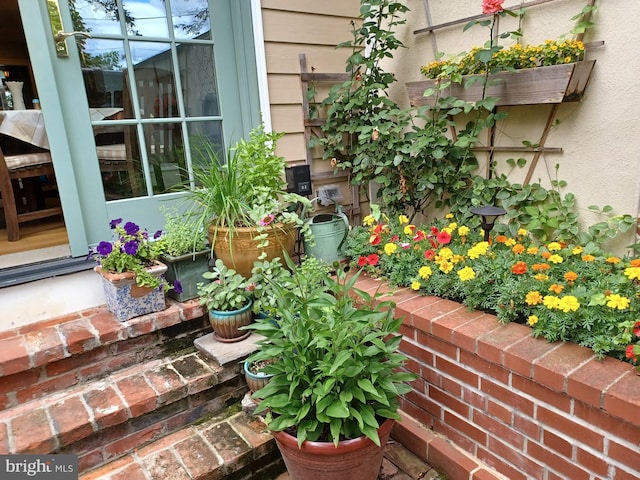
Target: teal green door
{"x": 144, "y": 84}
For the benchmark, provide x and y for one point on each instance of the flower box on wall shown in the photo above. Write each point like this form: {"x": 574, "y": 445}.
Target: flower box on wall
{"x": 530, "y": 86}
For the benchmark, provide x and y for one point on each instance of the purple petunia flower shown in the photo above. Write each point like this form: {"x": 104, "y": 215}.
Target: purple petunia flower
{"x": 131, "y": 247}
{"x": 131, "y": 228}
{"x": 157, "y": 235}
{"x": 177, "y": 287}
{"x": 104, "y": 248}
{"x": 114, "y": 223}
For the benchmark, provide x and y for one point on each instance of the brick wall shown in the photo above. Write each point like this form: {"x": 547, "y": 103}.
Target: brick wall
{"x": 528, "y": 408}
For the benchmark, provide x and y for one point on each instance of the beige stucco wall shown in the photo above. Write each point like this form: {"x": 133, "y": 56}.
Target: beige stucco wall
{"x": 600, "y": 136}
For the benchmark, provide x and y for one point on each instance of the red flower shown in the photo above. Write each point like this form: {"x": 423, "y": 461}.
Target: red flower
{"x": 434, "y": 230}
{"x": 373, "y": 259}
{"x": 419, "y": 236}
{"x": 429, "y": 254}
{"x": 395, "y": 238}
{"x": 519, "y": 268}
{"x": 362, "y": 261}
{"x": 375, "y": 239}
{"x": 443, "y": 238}
{"x": 629, "y": 353}
{"x": 636, "y": 329}
{"x": 492, "y": 6}
{"x": 378, "y": 228}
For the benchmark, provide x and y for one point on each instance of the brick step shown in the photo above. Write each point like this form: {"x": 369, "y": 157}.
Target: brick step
{"x": 230, "y": 445}
{"x": 46, "y": 357}
{"x": 107, "y": 417}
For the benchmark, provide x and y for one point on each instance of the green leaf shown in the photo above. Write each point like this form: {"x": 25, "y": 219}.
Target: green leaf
{"x": 366, "y": 385}
{"x": 337, "y": 410}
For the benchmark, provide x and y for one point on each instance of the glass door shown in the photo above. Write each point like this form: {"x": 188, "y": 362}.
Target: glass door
{"x": 144, "y": 85}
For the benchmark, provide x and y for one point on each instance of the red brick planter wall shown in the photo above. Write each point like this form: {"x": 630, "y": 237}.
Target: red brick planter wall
{"x": 527, "y": 408}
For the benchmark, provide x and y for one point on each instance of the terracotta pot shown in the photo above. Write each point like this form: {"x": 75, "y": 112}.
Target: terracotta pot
{"x": 226, "y": 325}
{"x": 238, "y": 250}
{"x": 357, "y": 459}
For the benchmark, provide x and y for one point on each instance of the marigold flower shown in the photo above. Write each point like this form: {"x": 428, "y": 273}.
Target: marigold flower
{"x": 390, "y": 248}
{"x": 415, "y": 285}
{"x": 569, "y": 303}
{"x": 519, "y": 268}
{"x": 612, "y": 260}
{"x": 409, "y": 229}
{"x": 375, "y": 239}
{"x": 463, "y": 231}
{"x": 373, "y": 259}
{"x": 425, "y": 272}
{"x": 518, "y": 249}
{"x": 501, "y": 239}
{"x": 533, "y": 298}
{"x": 532, "y": 320}
{"x": 449, "y": 216}
{"x": 368, "y": 220}
{"x": 522, "y": 232}
{"x": 577, "y": 250}
{"x": 532, "y": 250}
{"x": 588, "y": 258}
{"x": 402, "y": 219}
{"x": 510, "y": 242}
{"x": 555, "y": 258}
{"x": 540, "y": 267}
{"x": 617, "y": 301}
{"x": 451, "y": 227}
{"x": 466, "y": 274}
{"x": 635, "y": 262}
{"x": 541, "y": 277}
{"x": 445, "y": 253}
{"x": 554, "y": 247}
{"x": 632, "y": 273}
{"x": 478, "y": 249}
{"x": 545, "y": 255}
{"x": 446, "y": 267}
{"x": 570, "y": 276}
{"x": 551, "y": 302}
{"x": 557, "y": 289}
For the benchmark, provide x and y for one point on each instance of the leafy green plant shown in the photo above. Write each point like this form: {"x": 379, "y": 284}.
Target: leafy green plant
{"x": 336, "y": 369}
{"x": 182, "y": 234}
{"x": 226, "y": 290}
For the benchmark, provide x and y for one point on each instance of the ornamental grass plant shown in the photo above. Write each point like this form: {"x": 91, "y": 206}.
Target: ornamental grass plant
{"x": 564, "y": 292}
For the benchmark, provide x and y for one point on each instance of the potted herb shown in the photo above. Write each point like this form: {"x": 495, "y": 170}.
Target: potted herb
{"x": 133, "y": 278}
{"x": 256, "y": 373}
{"x": 228, "y": 297}
{"x": 185, "y": 251}
{"x": 244, "y": 202}
{"x": 336, "y": 377}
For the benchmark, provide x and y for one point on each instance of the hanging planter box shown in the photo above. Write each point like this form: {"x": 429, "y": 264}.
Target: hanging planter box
{"x": 530, "y": 86}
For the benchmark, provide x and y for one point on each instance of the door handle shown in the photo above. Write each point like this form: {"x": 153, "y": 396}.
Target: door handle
{"x": 62, "y": 36}
{"x": 57, "y": 28}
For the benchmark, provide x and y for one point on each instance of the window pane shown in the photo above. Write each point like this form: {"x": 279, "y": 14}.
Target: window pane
{"x": 118, "y": 152}
{"x": 94, "y": 17}
{"x": 201, "y": 133}
{"x": 165, "y": 149}
{"x": 197, "y": 75}
{"x": 147, "y": 19}
{"x": 191, "y": 19}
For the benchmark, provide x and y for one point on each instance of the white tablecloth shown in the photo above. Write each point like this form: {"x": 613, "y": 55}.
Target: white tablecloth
{"x": 25, "y": 125}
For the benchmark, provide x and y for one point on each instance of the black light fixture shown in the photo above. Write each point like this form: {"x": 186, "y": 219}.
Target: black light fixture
{"x": 489, "y": 213}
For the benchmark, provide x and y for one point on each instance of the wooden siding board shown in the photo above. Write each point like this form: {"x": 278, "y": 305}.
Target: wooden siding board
{"x": 283, "y": 57}
{"x": 292, "y": 27}
{"x": 287, "y": 118}
{"x": 343, "y": 8}
{"x": 292, "y": 148}
{"x": 285, "y": 89}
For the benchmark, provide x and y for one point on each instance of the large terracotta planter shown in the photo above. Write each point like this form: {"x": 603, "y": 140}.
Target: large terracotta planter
{"x": 239, "y": 249}
{"x": 357, "y": 459}
{"x": 226, "y": 325}
{"x": 125, "y": 299}
{"x": 188, "y": 270}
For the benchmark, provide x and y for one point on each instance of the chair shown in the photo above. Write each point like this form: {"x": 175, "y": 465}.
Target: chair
{"x": 24, "y": 166}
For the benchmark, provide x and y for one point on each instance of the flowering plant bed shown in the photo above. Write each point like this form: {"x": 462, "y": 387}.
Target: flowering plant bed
{"x": 563, "y": 292}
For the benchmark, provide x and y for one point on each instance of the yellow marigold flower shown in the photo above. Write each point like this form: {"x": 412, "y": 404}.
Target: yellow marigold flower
{"x": 551, "y": 302}
{"x": 448, "y": 216}
{"x": 518, "y": 248}
{"x": 555, "y": 258}
{"x": 402, "y": 219}
{"x": 588, "y": 258}
{"x": 522, "y": 232}
{"x": 532, "y": 320}
{"x": 557, "y": 289}
{"x": 451, "y": 227}
{"x": 466, "y": 274}
{"x": 613, "y": 260}
{"x": 632, "y": 273}
{"x": 457, "y": 258}
{"x": 569, "y": 303}
{"x": 425, "y": 272}
{"x": 409, "y": 229}
{"x": 510, "y": 242}
{"x": 445, "y": 253}
{"x": 554, "y": 247}
{"x": 570, "y": 276}
{"x": 577, "y": 250}
{"x": 390, "y": 248}
{"x": 617, "y": 301}
{"x": 478, "y": 249}
{"x": 369, "y": 220}
{"x": 533, "y": 298}
{"x": 415, "y": 285}
{"x": 532, "y": 250}
{"x": 463, "y": 231}
{"x": 446, "y": 267}
{"x": 541, "y": 277}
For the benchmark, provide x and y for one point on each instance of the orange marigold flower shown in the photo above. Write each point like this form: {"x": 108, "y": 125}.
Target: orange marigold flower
{"x": 635, "y": 262}
{"x": 613, "y": 260}
{"x": 545, "y": 255}
{"x": 570, "y": 276}
{"x": 557, "y": 289}
{"x": 500, "y": 239}
{"x": 532, "y": 250}
{"x": 518, "y": 249}
{"x": 588, "y": 258}
{"x": 533, "y": 298}
{"x": 540, "y": 267}
{"x": 519, "y": 268}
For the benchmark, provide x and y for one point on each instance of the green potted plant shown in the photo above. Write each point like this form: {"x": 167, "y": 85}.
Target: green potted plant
{"x": 185, "y": 251}
{"x": 336, "y": 377}
{"x": 244, "y": 203}
{"x": 228, "y": 297}
{"x": 132, "y": 276}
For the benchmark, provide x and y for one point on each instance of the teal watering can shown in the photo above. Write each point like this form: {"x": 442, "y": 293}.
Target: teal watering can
{"x": 330, "y": 231}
